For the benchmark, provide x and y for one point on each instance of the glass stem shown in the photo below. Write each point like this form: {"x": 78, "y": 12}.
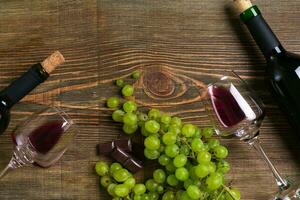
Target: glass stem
{"x": 5, "y": 171}
{"x": 281, "y": 182}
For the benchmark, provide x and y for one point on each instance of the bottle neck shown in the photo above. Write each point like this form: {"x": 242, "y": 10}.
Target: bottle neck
{"x": 22, "y": 86}
{"x": 261, "y": 32}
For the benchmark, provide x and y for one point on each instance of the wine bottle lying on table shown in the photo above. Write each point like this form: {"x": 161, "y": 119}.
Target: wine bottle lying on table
{"x": 13, "y": 93}
{"x": 283, "y": 71}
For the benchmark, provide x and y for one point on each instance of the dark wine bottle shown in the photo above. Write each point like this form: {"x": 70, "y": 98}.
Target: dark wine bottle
{"x": 13, "y": 93}
{"x": 283, "y": 70}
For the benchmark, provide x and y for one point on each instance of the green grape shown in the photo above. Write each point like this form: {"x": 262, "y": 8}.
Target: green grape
{"x": 151, "y": 154}
{"x": 151, "y": 185}
{"x": 176, "y": 121}
{"x": 128, "y": 90}
{"x": 197, "y": 145}
{"x": 101, "y": 168}
{"x": 152, "y": 142}
{"x": 118, "y": 115}
{"x": 136, "y": 75}
{"x": 212, "y": 167}
{"x": 198, "y": 182}
{"x": 130, "y": 182}
{"x": 233, "y": 194}
{"x": 184, "y": 149}
{"x": 119, "y": 82}
{"x": 114, "y": 167}
{"x": 212, "y": 143}
{"x": 205, "y": 147}
{"x": 169, "y": 138}
{"x": 144, "y": 132}
{"x": 201, "y": 170}
{"x": 169, "y": 195}
{"x": 172, "y": 180}
{"x": 194, "y": 192}
{"x": 154, "y": 114}
{"x": 172, "y": 150}
{"x": 174, "y": 129}
{"x": 121, "y": 190}
{"x": 164, "y": 127}
{"x": 145, "y": 196}
{"x": 187, "y": 183}
{"x": 153, "y": 195}
{"x": 178, "y": 194}
{"x": 180, "y": 160}
{"x": 121, "y": 175}
{"x": 188, "y": 130}
{"x": 170, "y": 167}
{"x": 159, "y": 176}
{"x": 139, "y": 189}
{"x": 207, "y": 133}
{"x": 130, "y": 119}
{"x": 160, "y": 189}
{"x": 223, "y": 166}
{"x": 137, "y": 197}
{"x": 164, "y": 160}
{"x": 214, "y": 181}
{"x": 113, "y": 102}
{"x": 182, "y": 174}
{"x": 203, "y": 157}
{"x": 165, "y": 118}
{"x": 189, "y": 165}
{"x": 197, "y": 133}
{"x": 220, "y": 152}
{"x": 105, "y": 181}
{"x": 129, "y": 129}
{"x": 142, "y": 117}
{"x": 161, "y": 148}
{"x": 129, "y": 106}
{"x": 192, "y": 173}
{"x": 152, "y": 126}
{"x": 111, "y": 189}
{"x": 185, "y": 196}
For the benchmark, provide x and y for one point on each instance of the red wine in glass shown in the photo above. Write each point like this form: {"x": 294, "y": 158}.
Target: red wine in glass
{"x": 42, "y": 139}
{"x": 226, "y": 107}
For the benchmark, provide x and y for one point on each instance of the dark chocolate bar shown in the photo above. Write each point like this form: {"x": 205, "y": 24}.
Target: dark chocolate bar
{"x": 133, "y": 165}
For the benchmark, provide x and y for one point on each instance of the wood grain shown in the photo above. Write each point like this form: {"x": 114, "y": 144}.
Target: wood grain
{"x": 178, "y": 45}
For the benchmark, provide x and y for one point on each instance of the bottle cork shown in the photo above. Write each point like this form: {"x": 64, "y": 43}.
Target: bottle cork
{"x": 242, "y": 5}
{"x": 50, "y": 63}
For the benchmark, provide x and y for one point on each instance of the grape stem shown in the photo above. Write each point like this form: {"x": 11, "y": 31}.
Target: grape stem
{"x": 185, "y": 142}
{"x": 220, "y": 193}
{"x": 228, "y": 191}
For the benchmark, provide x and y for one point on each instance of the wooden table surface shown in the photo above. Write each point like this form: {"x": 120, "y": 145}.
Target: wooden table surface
{"x": 176, "y": 44}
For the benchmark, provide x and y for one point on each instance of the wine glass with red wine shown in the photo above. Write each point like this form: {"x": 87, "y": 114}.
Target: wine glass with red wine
{"x": 236, "y": 111}
{"x": 42, "y": 139}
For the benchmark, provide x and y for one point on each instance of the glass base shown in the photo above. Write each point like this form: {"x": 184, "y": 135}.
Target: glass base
{"x": 293, "y": 192}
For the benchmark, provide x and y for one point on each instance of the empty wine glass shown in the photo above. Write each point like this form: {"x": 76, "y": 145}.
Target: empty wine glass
{"x": 42, "y": 139}
{"x": 235, "y": 110}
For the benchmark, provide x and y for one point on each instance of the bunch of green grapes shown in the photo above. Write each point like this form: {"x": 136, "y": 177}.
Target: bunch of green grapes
{"x": 192, "y": 163}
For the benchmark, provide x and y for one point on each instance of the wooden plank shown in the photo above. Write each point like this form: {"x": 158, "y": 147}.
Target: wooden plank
{"x": 178, "y": 45}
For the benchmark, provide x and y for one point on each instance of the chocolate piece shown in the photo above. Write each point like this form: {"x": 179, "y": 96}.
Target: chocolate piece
{"x": 124, "y": 143}
{"x": 106, "y": 148}
{"x": 120, "y": 155}
{"x": 138, "y": 150}
{"x": 133, "y": 165}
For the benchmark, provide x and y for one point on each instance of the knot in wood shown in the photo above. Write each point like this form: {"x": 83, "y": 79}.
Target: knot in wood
{"x": 159, "y": 83}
